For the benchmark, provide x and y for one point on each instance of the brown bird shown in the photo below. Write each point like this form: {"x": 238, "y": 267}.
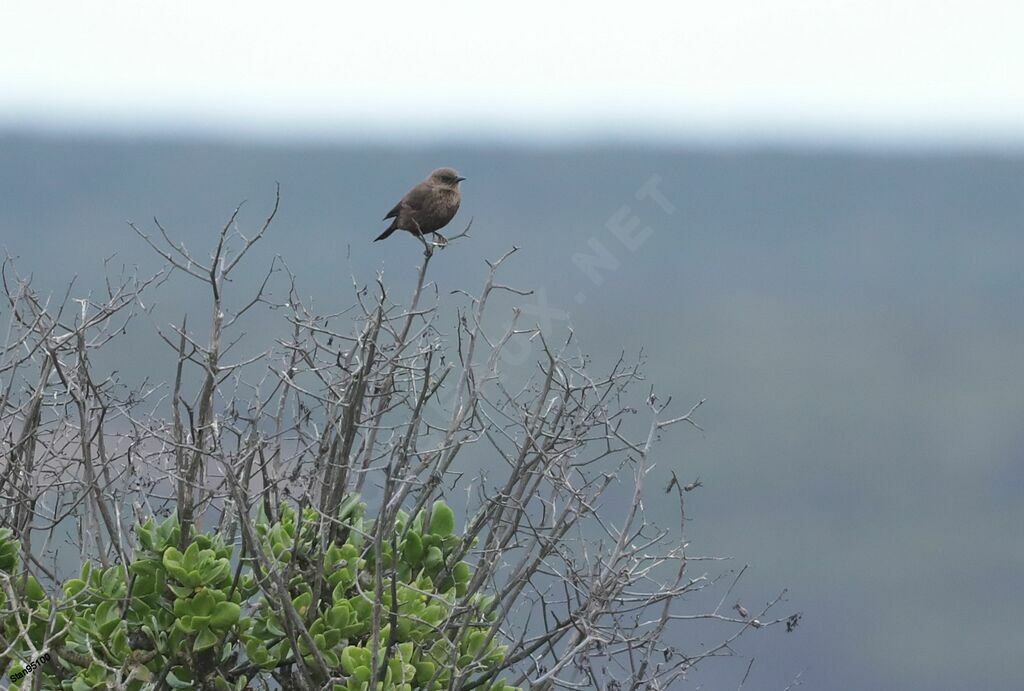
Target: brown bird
{"x": 428, "y": 206}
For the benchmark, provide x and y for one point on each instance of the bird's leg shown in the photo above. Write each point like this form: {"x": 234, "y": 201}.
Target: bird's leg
{"x": 442, "y": 241}
{"x": 428, "y": 249}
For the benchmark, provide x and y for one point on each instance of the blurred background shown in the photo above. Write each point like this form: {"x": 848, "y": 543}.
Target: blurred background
{"x": 822, "y": 204}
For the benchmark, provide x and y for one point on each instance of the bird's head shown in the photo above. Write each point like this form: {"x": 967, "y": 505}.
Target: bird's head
{"x": 446, "y": 177}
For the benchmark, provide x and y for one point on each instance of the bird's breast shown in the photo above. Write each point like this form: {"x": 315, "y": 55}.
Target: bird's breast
{"x": 448, "y": 203}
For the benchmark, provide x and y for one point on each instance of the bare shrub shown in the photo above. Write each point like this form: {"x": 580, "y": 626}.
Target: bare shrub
{"x": 281, "y": 457}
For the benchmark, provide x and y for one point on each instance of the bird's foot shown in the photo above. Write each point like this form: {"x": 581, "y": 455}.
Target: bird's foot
{"x": 441, "y": 241}
{"x": 428, "y": 248}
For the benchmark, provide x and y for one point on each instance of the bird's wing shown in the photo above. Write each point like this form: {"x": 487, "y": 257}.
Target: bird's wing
{"x": 416, "y": 199}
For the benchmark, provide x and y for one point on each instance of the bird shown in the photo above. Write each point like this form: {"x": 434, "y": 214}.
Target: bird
{"x": 428, "y": 206}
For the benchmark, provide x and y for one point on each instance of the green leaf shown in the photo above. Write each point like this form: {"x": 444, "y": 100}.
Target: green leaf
{"x": 145, "y": 533}
{"x": 424, "y": 672}
{"x": 179, "y": 678}
{"x": 108, "y": 616}
{"x": 353, "y": 657}
{"x": 112, "y": 579}
{"x": 191, "y": 556}
{"x": 432, "y": 614}
{"x": 181, "y": 591}
{"x": 412, "y": 548}
{"x": 174, "y": 562}
{"x": 256, "y": 651}
{"x": 145, "y": 585}
{"x": 33, "y": 590}
{"x": 442, "y": 519}
{"x": 405, "y": 650}
{"x": 205, "y": 639}
{"x": 168, "y": 533}
{"x": 9, "y": 555}
{"x": 362, "y": 674}
{"x": 74, "y": 587}
{"x": 349, "y": 507}
{"x": 302, "y": 603}
{"x": 474, "y": 641}
{"x": 434, "y": 557}
{"x": 215, "y": 573}
{"x": 274, "y": 627}
{"x": 362, "y": 605}
{"x": 282, "y": 650}
{"x": 146, "y": 566}
{"x": 340, "y": 614}
{"x": 225, "y": 614}
{"x": 119, "y": 642}
{"x": 203, "y": 603}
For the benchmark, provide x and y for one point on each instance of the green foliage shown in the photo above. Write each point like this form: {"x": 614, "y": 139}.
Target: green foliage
{"x": 206, "y": 623}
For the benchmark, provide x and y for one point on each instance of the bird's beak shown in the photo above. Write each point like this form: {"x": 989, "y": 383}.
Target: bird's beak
{"x": 459, "y": 179}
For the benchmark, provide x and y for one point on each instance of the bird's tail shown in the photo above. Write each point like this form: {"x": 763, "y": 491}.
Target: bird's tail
{"x": 391, "y": 228}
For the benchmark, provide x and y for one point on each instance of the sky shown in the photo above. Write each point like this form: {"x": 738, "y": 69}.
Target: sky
{"x": 904, "y": 70}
